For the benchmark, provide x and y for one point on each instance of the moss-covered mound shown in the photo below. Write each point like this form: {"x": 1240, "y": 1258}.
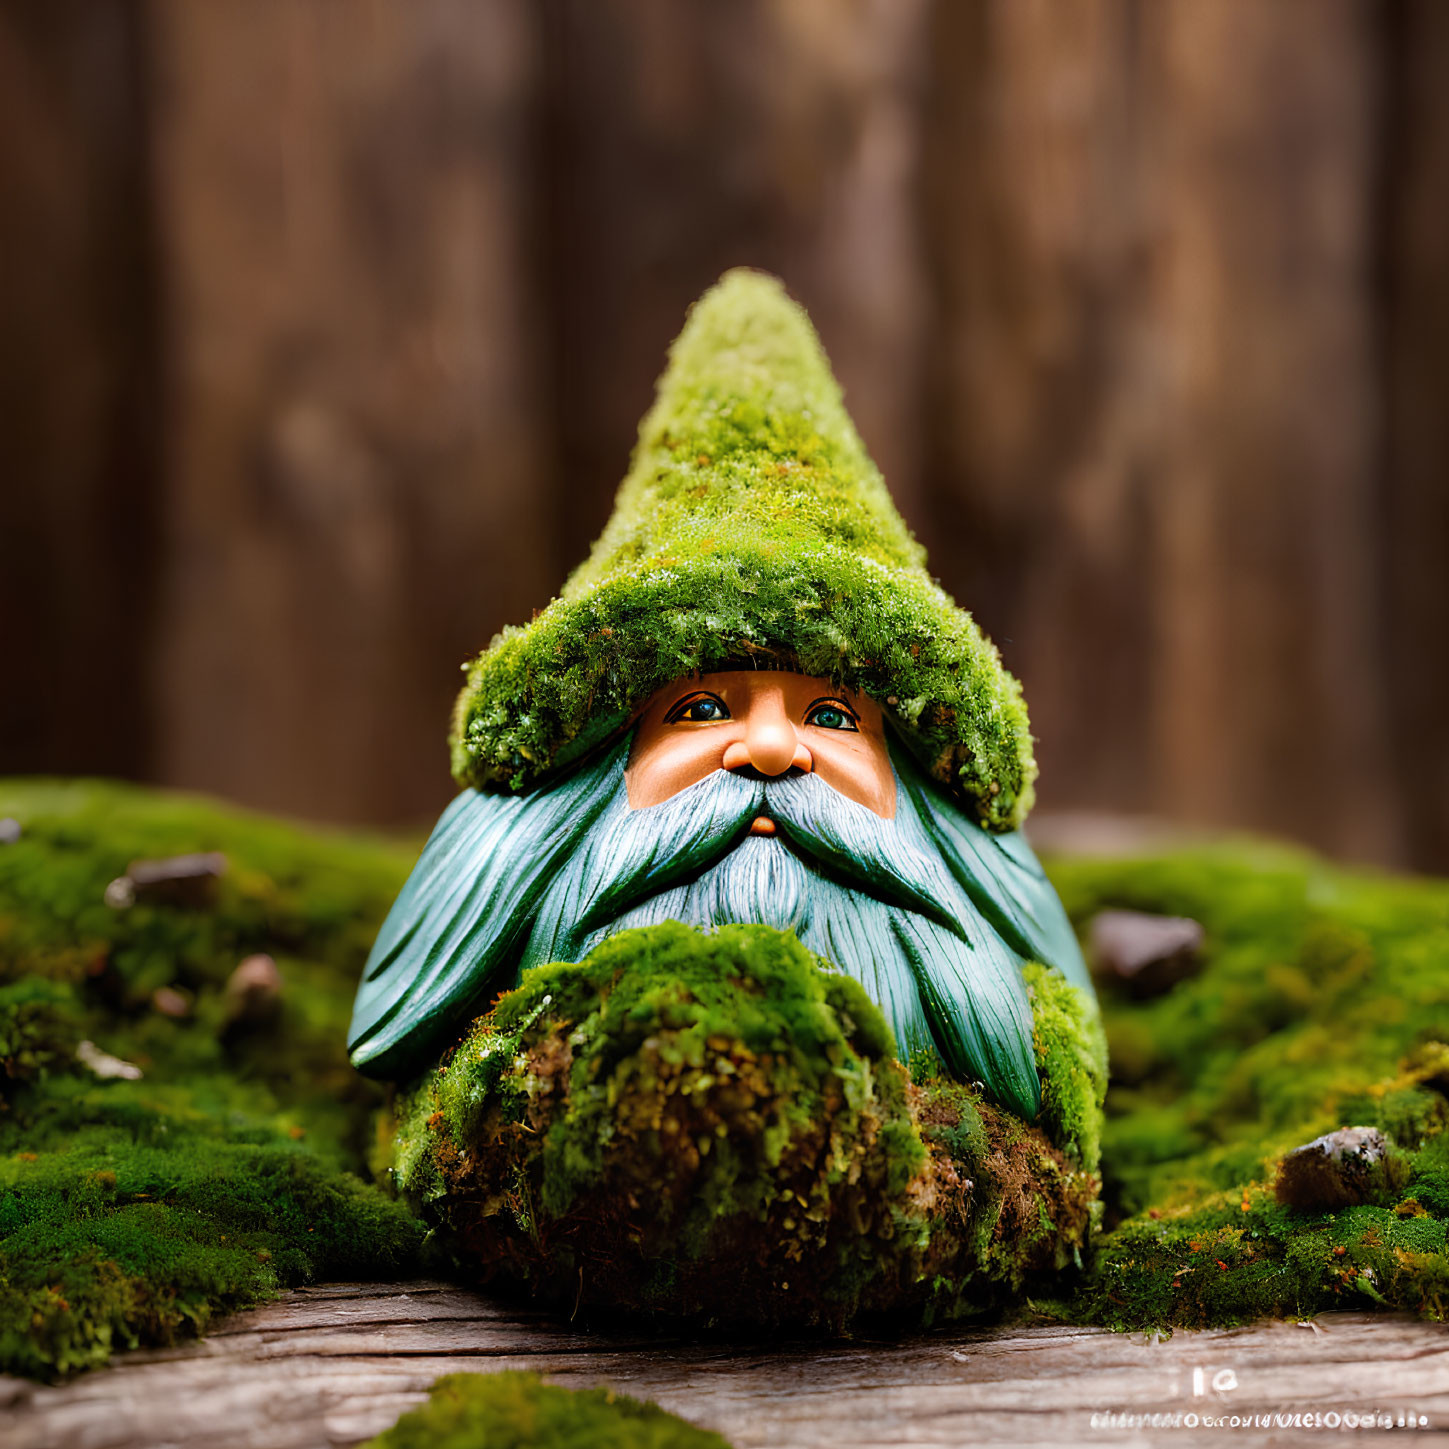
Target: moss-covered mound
{"x": 223, "y": 1164}
{"x": 1323, "y": 1002}
{"x": 752, "y": 526}
{"x": 716, "y": 1126}
{"x": 513, "y": 1410}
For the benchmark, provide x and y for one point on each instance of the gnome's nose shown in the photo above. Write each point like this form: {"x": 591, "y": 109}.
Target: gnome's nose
{"x": 770, "y": 746}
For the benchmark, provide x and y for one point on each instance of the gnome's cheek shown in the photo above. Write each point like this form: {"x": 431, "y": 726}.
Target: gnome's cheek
{"x": 664, "y": 763}
{"x": 855, "y": 768}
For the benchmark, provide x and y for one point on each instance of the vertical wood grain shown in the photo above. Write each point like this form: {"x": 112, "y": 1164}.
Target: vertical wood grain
{"x": 326, "y": 325}
{"x": 1155, "y": 411}
{"x": 1416, "y": 484}
{"x": 355, "y": 490}
{"x": 1261, "y": 164}
{"x": 685, "y": 137}
{"x": 78, "y": 487}
{"x": 1034, "y": 476}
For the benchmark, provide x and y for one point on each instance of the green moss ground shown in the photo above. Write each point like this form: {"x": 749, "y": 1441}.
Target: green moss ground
{"x": 1324, "y": 1002}
{"x": 133, "y": 1211}
{"x": 513, "y": 1410}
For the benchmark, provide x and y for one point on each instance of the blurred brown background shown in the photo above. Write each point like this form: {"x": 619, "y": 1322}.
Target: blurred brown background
{"x": 325, "y": 326}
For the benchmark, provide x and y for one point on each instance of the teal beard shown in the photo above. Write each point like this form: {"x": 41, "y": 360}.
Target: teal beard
{"x": 934, "y": 916}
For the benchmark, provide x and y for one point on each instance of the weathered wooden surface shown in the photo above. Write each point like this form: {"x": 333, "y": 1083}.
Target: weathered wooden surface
{"x": 335, "y": 1365}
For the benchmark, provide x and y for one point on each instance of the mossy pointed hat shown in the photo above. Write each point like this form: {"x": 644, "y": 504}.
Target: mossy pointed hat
{"x": 752, "y": 526}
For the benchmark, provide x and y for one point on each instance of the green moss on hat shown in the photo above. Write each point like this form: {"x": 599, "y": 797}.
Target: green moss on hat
{"x": 752, "y": 526}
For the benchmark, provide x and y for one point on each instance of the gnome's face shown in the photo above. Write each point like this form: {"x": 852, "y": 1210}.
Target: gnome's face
{"x": 764, "y": 724}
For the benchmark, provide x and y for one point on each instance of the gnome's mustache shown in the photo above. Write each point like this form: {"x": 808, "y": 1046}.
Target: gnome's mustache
{"x": 635, "y": 855}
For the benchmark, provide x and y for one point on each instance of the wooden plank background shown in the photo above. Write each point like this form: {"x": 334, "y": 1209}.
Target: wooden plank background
{"x": 325, "y": 326}
{"x": 334, "y": 1365}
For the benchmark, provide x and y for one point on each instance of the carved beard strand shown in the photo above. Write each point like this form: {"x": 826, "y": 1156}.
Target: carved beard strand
{"x": 759, "y": 881}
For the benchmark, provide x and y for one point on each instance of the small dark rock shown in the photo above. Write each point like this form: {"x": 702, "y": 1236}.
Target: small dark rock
{"x": 188, "y": 881}
{"x": 254, "y": 993}
{"x": 1147, "y": 954}
{"x": 9, "y": 830}
{"x": 1344, "y": 1168}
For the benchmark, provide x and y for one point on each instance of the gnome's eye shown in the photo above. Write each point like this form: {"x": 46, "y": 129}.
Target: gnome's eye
{"x": 698, "y": 709}
{"x": 831, "y": 716}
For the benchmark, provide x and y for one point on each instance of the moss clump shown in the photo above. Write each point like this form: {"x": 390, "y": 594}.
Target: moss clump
{"x": 1323, "y": 1002}
{"x": 39, "y": 1031}
{"x": 752, "y": 525}
{"x": 716, "y": 1126}
{"x": 1071, "y": 1054}
{"x": 515, "y": 1410}
{"x": 131, "y": 1211}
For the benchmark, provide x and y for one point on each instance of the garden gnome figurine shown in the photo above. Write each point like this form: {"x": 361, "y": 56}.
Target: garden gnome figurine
{"x": 751, "y": 704}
